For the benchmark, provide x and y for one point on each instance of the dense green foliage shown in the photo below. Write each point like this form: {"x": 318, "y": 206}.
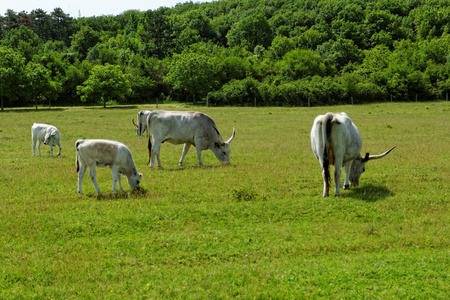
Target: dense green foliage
{"x": 256, "y": 229}
{"x": 236, "y": 52}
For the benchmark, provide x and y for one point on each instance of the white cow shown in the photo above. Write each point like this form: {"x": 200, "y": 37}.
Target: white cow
{"x": 188, "y": 128}
{"x": 47, "y": 134}
{"x": 102, "y": 153}
{"x": 336, "y": 141}
{"x": 141, "y": 125}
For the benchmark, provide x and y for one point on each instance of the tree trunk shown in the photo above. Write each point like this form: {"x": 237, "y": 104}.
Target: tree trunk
{"x": 2, "y": 101}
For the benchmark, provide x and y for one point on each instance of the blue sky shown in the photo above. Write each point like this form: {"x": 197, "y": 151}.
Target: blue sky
{"x": 88, "y": 8}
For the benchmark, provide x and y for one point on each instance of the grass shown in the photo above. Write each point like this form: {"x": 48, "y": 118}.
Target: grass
{"x": 256, "y": 229}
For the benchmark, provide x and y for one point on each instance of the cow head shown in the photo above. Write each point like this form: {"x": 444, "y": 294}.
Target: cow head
{"x": 134, "y": 180}
{"x": 50, "y": 139}
{"x": 359, "y": 166}
{"x": 221, "y": 149}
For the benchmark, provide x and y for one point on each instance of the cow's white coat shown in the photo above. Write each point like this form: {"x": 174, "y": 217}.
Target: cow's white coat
{"x": 188, "y": 128}
{"x": 92, "y": 153}
{"x": 336, "y": 141}
{"x": 141, "y": 125}
{"x": 47, "y": 134}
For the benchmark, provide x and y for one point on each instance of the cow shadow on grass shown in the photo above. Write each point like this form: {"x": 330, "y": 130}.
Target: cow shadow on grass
{"x": 120, "y": 195}
{"x": 369, "y": 193}
{"x": 194, "y": 167}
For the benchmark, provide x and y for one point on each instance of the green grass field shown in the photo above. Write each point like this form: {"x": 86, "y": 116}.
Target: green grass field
{"x": 256, "y": 229}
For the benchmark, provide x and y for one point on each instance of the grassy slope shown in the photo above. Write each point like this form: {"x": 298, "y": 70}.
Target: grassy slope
{"x": 258, "y": 228}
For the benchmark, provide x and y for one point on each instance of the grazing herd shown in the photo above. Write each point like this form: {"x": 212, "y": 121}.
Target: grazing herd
{"x": 335, "y": 140}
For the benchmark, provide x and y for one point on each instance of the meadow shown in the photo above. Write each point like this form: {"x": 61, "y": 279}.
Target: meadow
{"x": 258, "y": 228}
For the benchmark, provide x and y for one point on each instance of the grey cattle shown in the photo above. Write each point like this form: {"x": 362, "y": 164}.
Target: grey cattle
{"x": 102, "y": 153}
{"x": 188, "y": 128}
{"x": 141, "y": 125}
{"x": 336, "y": 141}
{"x": 47, "y": 134}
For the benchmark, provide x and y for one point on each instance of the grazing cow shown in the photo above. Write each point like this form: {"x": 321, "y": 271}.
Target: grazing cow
{"x": 188, "y": 128}
{"x": 102, "y": 153}
{"x": 47, "y": 134}
{"x": 141, "y": 125}
{"x": 336, "y": 141}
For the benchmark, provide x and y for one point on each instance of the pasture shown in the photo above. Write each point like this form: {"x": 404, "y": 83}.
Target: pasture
{"x": 258, "y": 228}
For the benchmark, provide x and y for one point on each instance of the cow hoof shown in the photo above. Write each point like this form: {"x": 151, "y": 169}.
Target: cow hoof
{"x": 346, "y": 187}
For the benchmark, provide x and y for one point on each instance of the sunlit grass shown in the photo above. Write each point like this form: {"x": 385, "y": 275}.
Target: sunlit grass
{"x": 258, "y": 228}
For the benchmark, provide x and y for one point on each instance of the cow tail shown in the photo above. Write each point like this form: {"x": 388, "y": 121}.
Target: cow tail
{"x": 326, "y": 126}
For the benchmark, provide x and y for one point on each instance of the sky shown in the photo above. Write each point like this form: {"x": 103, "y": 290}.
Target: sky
{"x": 88, "y": 8}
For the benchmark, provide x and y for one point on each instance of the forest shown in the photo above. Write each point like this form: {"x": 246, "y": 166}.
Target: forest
{"x": 230, "y": 52}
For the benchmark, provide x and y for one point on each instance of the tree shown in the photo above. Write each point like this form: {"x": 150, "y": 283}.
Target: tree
{"x": 23, "y": 40}
{"x": 39, "y": 84}
{"x": 83, "y": 40}
{"x": 105, "y": 83}
{"x": 12, "y": 66}
{"x": 299, "y": 63}
{"x": 251, "y": 31}
{"x": 280, "y": 46}
{"x": 193, "y": 73}
{"x": 341, "y": 52}
{"x": 157, "y": 33}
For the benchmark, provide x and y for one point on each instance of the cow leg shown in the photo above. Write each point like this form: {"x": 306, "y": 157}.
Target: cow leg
{"x": 115, "y": 177}
{"x": 155, "y": 152}
{"x": 185, "y": 151}
{"x": 51, "y": 150}
{"x": 93, "y": 178}
{"x": 120, "y": 182}
{"x": 33, "y": 145}
{"x": 60, "y": 147}
{"x": 347, "y": 168}
{"x": 326, "y": 187}
{"x": 337, "y": 177}
{"x": 39, "y": 147}
{"x": 198, "y": 147}
{"x": 81, "y": 173}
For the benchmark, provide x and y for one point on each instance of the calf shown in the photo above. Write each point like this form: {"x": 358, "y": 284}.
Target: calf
{"x": 102, "y": 153}
{"x": 47, "y": 134}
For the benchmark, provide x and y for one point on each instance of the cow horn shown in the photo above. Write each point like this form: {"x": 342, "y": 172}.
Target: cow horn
{"x": 232, "y": 137}
{"x": 134, "y": 123}
{"x": 379, "y": 156}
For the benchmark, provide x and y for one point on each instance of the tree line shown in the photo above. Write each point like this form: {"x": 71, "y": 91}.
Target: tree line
{"x": 230, "y": 52}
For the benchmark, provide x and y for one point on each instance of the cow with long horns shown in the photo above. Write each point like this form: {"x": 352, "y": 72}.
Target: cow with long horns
{"x": 141, "y": 125}
{"x": 188, "y": 128}
{"x": 336, "y": 141}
